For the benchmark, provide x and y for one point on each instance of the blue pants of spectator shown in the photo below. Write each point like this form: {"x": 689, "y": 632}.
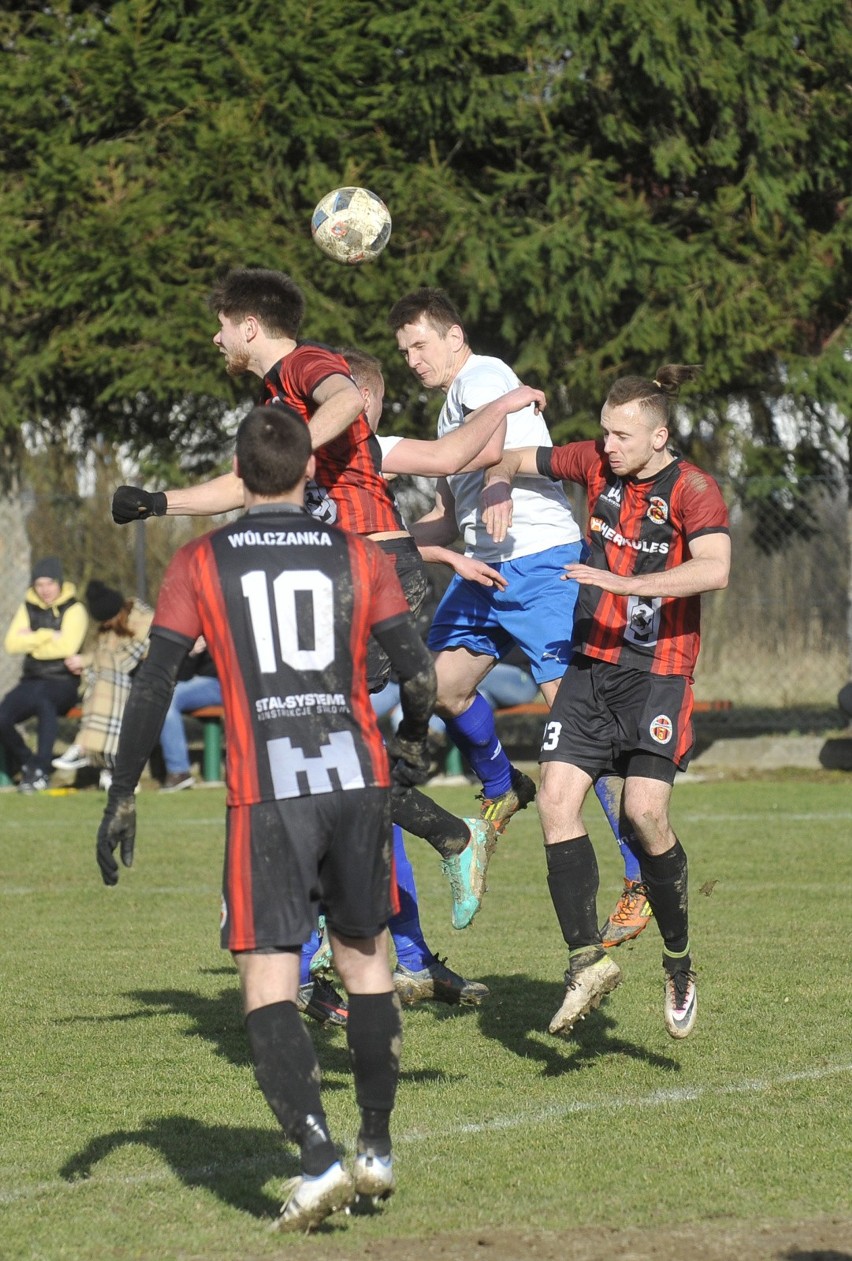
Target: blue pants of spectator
{"x": 195, "y": 693}
{"x": 44, "y": 700}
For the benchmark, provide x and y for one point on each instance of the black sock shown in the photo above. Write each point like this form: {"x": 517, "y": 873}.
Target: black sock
{"x": 665, "y": 878}
{"x": 572, "y": 877}
{"x": 421, "y": 816}
{"x": 285, "y": 1065}
{"x": 374, "y": 1037}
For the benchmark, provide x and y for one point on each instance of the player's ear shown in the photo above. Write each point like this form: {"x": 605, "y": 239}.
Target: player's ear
{"x": 311, "y": 468}
{"x": 236, "y": 468}
{"x": 456, "y": 335}
{"x": 660, "y": 437}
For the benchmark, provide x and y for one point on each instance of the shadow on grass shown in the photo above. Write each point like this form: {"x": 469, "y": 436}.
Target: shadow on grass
{"x": 218, "y": 1020}
{"x": 241, "y": 1161}
{"x": 517, "y": 1015}
{"x": 818, "y": 1254}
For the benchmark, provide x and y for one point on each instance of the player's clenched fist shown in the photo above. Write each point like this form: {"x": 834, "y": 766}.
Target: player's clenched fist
{"x": 130, "y": 503}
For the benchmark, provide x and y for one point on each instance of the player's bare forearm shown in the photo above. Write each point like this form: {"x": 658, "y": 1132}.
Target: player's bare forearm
{"x": 467, "y": 567}
{"x": 340, "y": 405}
{"x": 693, "y": 577}
{"x": 434, "y": 532}
{"x": 516, "y": 462}
{"x": 206, "y": 499}
{"x": 437, "y": 528}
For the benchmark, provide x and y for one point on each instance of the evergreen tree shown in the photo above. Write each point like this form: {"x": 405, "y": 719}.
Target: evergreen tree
{"x": 602, "y": 186}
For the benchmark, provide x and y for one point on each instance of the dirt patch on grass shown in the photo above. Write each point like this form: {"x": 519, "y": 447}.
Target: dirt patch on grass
{"x": 820, "y": 1239}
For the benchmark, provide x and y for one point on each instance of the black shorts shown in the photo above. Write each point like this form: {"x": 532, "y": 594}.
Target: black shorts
{"x": 284, "y": 858}
{"x": 415, "y": 586}
{"x": 612, "y": 718}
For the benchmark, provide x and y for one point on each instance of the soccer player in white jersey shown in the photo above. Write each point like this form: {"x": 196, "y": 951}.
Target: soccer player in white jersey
{"x": 476, "y": 625}
{"x": 529, "y": 603}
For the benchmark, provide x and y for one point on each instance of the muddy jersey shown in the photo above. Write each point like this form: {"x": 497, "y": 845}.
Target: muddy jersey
{"x": 348, "y": 489}
{"x": 286, "y": 604}
{"x": 639, "y": 527}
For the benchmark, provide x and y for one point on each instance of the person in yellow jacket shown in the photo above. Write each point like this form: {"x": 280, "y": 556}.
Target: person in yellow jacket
{"x": 48, "y": 628}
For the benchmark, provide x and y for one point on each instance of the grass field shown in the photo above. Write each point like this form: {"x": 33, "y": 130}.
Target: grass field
{"x": 132, "y": 1126}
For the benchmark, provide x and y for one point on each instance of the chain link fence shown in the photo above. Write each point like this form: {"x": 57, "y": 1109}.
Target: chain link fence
{"x": 777, "y": 637}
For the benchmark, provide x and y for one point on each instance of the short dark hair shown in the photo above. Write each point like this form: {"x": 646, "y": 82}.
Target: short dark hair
{"x": 656, "y": 395}
{"x": 273, "y": 449}
{"x": 271, "y": 296}
{"x": 435, "y": 304}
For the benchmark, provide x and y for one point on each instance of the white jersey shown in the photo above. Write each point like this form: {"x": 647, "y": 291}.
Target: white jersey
{"x": 387, "y": 443}
{"x": 541, "y": 516}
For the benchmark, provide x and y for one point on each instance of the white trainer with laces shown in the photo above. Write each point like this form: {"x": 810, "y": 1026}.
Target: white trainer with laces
{"x": 309, "y": 1201}
{"x": 681, "y": 1003}
{"x": 73, "y": 759}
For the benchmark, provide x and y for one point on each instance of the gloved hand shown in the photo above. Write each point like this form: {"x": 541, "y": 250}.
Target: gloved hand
{"x": 118, "y": 828}
{"x": 130, "y": 503}
{"x": 411, "y": 760}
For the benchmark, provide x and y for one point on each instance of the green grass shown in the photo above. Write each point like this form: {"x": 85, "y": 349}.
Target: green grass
{"x": 132, "y": 1126}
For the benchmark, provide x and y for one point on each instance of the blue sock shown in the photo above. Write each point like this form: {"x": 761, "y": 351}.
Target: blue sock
{"x": 608, "y": 789}
{"x": 309, "y": 949}
{"x": 409, "y": 942}
{"x": 475, "y": 736}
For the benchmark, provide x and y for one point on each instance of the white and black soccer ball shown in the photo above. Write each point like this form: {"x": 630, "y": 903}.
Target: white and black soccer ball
{"x": 351, "y": 225}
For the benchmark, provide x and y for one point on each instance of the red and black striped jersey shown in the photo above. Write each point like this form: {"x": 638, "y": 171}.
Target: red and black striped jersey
{"x": 348, "y": 489}
{"x": 286, "y": 605}
{"x": 639, "y": 527}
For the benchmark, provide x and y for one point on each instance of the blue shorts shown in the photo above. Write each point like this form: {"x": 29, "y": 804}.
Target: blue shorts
{"x": 536, "y": 612}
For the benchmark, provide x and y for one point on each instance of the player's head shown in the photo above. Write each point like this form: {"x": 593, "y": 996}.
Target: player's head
{"x": 430, "y": 335}
{"x": 249, "y": 300}
{"x": 273, "y": 453}
{"x": 367, "y": 374}
{"x": 636, "y": 418}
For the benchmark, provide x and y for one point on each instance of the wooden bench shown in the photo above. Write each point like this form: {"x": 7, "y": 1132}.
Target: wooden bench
{"x": 211, "y": 718}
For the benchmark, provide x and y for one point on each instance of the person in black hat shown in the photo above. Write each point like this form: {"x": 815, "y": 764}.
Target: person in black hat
{"x": 107, "y": 672}
{"x": 47, "y": 629}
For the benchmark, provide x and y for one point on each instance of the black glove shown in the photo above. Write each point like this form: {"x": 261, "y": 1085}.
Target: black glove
{"x": 129, "y": 503}
{"x": 411, "y": 761}
{"x": 118, "y": 827}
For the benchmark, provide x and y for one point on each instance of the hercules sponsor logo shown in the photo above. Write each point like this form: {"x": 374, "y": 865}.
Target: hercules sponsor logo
{"x": 597, "y": 525}
{"x": 661, "y": 729}
{"x": 658, "y": 510}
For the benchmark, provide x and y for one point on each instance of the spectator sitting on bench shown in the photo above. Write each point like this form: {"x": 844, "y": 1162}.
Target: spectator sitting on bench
{"x": 196, "y": 688}
{"x": 47, "y": 628}
{"x": 107, "y": 673}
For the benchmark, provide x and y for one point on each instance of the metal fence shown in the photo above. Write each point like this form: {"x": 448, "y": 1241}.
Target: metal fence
{"x": 777, "y": 637}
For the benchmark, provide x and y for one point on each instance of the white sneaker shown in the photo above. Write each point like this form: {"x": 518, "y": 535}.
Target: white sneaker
{"x": 374, "y": 1176}
{"x": 681, "y": 1003}
{"x": 591, "y": 975}
{"x": 310, "y": 1201}
{"x": 73, "y": 759}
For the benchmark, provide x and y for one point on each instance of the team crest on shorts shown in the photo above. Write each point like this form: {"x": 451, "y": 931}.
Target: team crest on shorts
{"x": 661, "y": 728}
{"x": 658, "y": 510}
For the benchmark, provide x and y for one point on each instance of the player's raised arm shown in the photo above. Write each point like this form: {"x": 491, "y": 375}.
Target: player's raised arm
{"x": 340, "y": 405}
{"x": 474, "y": 445}
{"x": 206, "y": 499}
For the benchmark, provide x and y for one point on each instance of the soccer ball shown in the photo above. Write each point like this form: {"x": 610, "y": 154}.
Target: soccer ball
{"x": 351, "y": 225}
